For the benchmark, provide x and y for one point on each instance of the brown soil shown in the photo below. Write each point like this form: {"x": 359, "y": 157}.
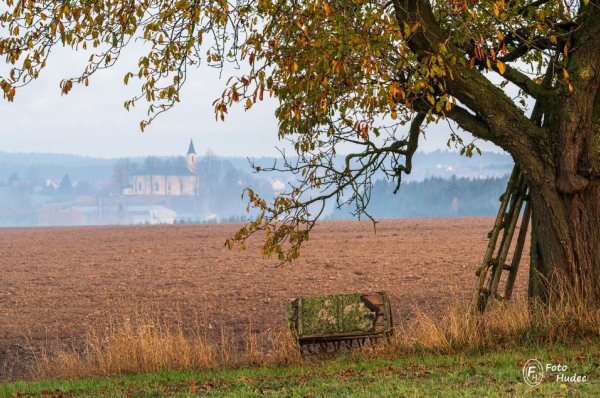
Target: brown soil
{"x": 56, "y": 283}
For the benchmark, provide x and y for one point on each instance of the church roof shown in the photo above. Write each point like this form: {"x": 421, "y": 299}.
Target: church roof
{"x": 191, "y": 149}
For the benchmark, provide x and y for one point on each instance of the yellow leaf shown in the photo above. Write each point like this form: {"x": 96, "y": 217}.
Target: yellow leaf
{"x": 394, "y": 115}
{"x": 501, "y": 66}
{"x": 496, "y": 10}
{"x": 489, "y": 64}
{"x": 327, "y": 9}
{"x": 448, "y": 106}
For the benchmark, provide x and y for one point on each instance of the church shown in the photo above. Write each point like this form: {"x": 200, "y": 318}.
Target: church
{"x": 167, "y": 181}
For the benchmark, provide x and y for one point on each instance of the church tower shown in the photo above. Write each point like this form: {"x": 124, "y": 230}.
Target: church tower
{"x": 191, "y": 157}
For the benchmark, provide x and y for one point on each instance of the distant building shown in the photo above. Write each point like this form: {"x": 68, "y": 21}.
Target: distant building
{"x": 166, "y": 181}
{"x": 99, "y": 215}
{"x": 151, "y": 215}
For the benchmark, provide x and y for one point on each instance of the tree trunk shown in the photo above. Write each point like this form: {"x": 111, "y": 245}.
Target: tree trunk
{"x": 565, "y": 255}
{"x": 566, "y": 196}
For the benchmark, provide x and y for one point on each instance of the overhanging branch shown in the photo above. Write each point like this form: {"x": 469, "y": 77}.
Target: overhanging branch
{"x": 521, "y": 80}
{"x": 469, "y": 122}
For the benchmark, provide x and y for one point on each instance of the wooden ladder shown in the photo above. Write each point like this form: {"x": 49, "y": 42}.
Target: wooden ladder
{"x": 494, "y": 261}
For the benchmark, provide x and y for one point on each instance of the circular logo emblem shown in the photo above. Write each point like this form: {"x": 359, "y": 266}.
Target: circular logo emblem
{"x": 533, "y": 373}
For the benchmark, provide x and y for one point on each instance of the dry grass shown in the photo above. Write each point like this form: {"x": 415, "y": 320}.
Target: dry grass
{"x": 569, "y": 317}
{"x": 143, "y": 343}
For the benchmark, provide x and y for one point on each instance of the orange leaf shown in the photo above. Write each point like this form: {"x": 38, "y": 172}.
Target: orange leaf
{"x": 327, "y": 9}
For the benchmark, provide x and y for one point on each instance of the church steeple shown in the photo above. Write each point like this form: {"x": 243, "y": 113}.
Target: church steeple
{"x": 191, "y": 149}
{"x": 191, "y": 157}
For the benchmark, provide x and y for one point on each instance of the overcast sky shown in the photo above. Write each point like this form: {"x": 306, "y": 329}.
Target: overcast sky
{"x": 93, "y": 122}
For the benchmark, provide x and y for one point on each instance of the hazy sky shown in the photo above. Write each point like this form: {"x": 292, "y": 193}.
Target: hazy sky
{"x": 92, "y": 121}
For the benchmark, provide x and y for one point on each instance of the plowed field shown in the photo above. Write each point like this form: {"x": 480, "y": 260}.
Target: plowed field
{"x": 56, "y": 283}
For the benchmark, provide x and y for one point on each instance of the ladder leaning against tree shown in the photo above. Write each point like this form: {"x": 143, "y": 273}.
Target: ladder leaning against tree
{"x": 494, "y": 260}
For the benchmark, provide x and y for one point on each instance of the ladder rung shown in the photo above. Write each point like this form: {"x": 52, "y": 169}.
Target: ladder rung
{"x": 506, "y": 267}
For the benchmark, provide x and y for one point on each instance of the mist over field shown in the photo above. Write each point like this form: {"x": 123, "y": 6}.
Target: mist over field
{"x": 44, "y": 189}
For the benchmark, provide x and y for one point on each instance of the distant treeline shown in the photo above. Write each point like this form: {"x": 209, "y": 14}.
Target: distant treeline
{"x": 45, "y": 166}
{"x": 433, "y": 197}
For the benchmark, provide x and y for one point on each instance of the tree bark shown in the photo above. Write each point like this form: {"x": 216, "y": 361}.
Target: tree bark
{"x": 566, "y": 243}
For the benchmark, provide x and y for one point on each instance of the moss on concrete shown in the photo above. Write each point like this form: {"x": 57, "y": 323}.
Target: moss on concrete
{"x": 330, "y": 314}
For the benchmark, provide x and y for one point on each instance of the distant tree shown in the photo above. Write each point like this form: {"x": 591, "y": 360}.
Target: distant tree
{"x": 13, "y": 178}
{"x": 64, "y": 189}
{"x": 48, "y": 190}
{"x": 152, "y": 163}
{"x": 33, "y": 176}
{"x": 83, "y": 188}
{"x": 178, "y": 163}
{"x": 120, "y": 177}
{"x": 209, "y": 170}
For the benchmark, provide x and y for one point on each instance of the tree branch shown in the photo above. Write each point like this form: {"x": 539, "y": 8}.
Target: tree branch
{"x": 508, "y": 127}
{"x": 462, "y": 117}
{"x": 411, "y": 148}
{"x": 521, "y": 80}
{"x": 469, "y": 122}
{"x": 523, "y": 9}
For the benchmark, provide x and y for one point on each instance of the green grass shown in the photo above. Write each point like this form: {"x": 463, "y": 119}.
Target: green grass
{"x": 475, "y": 374}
